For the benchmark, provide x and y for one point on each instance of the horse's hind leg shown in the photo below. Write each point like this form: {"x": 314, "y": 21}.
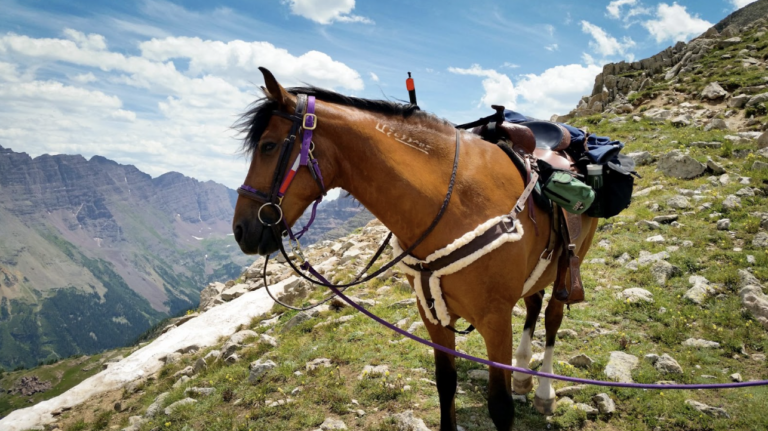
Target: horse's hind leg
{"x": 523, "y": 383}
{"x": 544, "y": 401}
{"x": 445, "y": 372}
{"x": 496, "y": 329}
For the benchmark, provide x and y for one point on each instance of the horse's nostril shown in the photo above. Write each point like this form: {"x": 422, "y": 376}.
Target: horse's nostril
{"x": 238, "y": 233}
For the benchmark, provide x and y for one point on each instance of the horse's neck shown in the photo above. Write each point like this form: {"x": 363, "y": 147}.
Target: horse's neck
{"x": 399, "y": 169}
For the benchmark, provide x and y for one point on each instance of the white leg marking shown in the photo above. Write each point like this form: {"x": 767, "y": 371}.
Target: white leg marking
{"x": 523, "y": 355}
{"x": 545, "y": 390}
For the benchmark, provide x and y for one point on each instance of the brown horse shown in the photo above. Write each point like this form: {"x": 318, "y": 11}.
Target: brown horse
{"x": 401, "y": 178}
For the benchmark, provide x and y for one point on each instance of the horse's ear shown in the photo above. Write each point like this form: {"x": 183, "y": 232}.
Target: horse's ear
{"x": 274, "y": 90}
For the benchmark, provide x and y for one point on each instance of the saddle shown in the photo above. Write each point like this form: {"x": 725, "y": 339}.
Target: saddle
{"x": 532, "y": 142}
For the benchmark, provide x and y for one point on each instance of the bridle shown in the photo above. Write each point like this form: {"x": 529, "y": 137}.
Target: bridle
{"x": 304, "y": 123}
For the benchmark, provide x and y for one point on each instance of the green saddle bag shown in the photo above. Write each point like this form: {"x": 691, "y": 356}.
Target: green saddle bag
{"x": 568, "y": 192}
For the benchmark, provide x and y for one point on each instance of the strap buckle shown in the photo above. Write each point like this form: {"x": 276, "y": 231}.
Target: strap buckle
{"x": 296, "y": 249}
{"x": 311, "y": 124}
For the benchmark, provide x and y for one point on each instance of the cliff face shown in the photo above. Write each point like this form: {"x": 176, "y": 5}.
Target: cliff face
{"x": 622, "y": 84}
{"x": 92, "y": 252}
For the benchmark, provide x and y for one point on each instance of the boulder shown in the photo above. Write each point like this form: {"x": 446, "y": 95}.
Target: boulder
{"x": 259, "y": 368}
{"x": 757, "y": 99}
{"x": 663, "y": 271}
{"x": 739, "y": 101}
{"x": 706, "y": 409}
{"x": 753, "y": 299}
{"x": 700, "y": 291}
{"x": 679, "y": 165}
{"x": 713, "y": 91}
{"x": 406, "y": 421}
{"x": 701, "y": 344}
{"x": 716, "y": 124}
{"x": 604, "y": 403}
{"x": 762, "y": 141}
{"x": 620, "y": 366}
{"x": 635, "y": 294}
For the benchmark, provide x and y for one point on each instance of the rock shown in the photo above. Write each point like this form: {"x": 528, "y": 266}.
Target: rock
{"x": 406, "y": 421}
{"x": 728, "y": 42}
{"x": 620, "y": 366}
{"x": 716, "y": 124}
{"x": 739, "y": 101}
{"x": 713, "y": 91}
{"x": 663, "y": 271}
{"x": 757, "y": 99}
{"x": 642, "y": 158}
{"x": 232, "y": 359}
{"x": 333, "y": 424}
{"x": 604, "y": 403}
{"x": 479, "y": 375}
{"x": 655, "y": 239}
{"x": 678, "y": 202}
{"x": 714, "y": 167}
{"x": 736, "y": 377}
{"x": 708, "y": 410}
{"x": 268, "y": 339}
{"x": 762, "y": 141}
{"x": 156, "y": 405}
{"x": 259, "y": 368}
{"x": 668, "y": 365}
{"x": 701, "y": 344}
{"x": 646, "y": 191}
{"x": 681, "y": 121}
{"x": 203, "y": 392}
{"x": 404, "y": 303}
{"x": 236, "y": 341}
{"x": 414, "y": 326}
{"x": 567, "y": 334}
{"x": 665, "y": 219}
{"x": 135, "y": 424}
{"x": 723, "y": 224}
{"x": 746, "y": 279}
{"x": 586, "y": 408}
{"x": 657, "y": 114}
{"x": 700, "y": 291}
{"x": 186, "y": 371}
{"x": 296, "y": 320}
{"x": 678, "y": 165}
{"x": 235, "y": 291}
{"x": 317, "y": 363}
{"x": 581, "y": 361}
{"x": 121, "y": 406}
{"x": 760, "y": 240}
{"x": 759, "y": 166}
{"x": 731, "y": 202}
{"x": 635, "y": 294}
{"x": 569, "y": 391}
{"x": 182, "y": 380}
{"x": 746, "y": 192}
{"x": 172, "y": 358}
{"x": 173, "y": 407}
{"x": 753, "y": 299}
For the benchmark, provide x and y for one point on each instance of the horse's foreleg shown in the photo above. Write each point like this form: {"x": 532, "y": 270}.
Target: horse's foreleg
{"x": 445, "y": 372}
{"x": 523, "y": 383}
{"x": 544, "y": 401}
{"x": 496, "y": 329}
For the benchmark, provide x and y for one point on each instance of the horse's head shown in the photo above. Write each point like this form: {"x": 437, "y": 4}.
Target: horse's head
{"x": 273, "y": 194}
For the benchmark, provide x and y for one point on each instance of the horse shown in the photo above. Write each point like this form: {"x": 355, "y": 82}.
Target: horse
{"x": 396, "y": 160}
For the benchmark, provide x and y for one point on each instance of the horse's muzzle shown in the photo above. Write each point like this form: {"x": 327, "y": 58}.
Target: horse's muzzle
{"x": 255, "y": 238}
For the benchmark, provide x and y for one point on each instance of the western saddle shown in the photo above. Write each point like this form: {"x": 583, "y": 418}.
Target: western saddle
{"x": 534, "y": 142}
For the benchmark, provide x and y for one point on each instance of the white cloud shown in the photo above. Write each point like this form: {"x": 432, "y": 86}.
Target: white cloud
{"x": 587, "y": 59}
{"x": 614, "y": 7}
{"x": 554, "y": 91}
{"x": 552, "y": 47}
{"x": 374, "y": 77}
{"x": 509, "y": 65}
{"x": 499, "y": 89}
{"x": 550, "y": 29}
{"x": 8, "y": 72}
{"x": 326, "y": 11}
{"x": 188, "y": 130}
{"x": 84, "y": 78}
{"x": 738, "y": 4}
{"x": 605, "y": 44}
{"x": 674, "y": 23}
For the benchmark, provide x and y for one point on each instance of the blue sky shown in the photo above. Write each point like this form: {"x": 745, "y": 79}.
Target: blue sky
{"x": 158, "y": 83}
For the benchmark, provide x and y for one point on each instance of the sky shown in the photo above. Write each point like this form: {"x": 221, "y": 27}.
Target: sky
{"x": 158, "y": 84}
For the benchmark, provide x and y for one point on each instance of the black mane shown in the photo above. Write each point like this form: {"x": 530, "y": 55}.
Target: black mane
{"x": 254, "y": 122}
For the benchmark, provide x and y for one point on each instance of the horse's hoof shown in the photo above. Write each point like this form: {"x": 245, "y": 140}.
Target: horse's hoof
{"x": 545, "y": 407}
{"x": 522, "y": 387}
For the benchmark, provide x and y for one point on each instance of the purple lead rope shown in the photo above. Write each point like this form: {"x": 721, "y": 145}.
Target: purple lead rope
{"x": 525, "y": 370}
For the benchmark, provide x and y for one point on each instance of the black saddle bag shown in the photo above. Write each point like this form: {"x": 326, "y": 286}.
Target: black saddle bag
{"x": 616, "y": 193}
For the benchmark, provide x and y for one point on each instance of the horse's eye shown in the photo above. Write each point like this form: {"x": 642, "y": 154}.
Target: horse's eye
{"x": 268, "y": 147}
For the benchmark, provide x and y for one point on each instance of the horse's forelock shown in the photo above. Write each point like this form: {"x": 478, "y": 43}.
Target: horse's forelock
{"x": 254, "y": 122}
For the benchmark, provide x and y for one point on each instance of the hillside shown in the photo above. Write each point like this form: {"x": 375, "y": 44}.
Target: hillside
{"x": 93, "y": 253}
{"x": 682, "y": 272}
